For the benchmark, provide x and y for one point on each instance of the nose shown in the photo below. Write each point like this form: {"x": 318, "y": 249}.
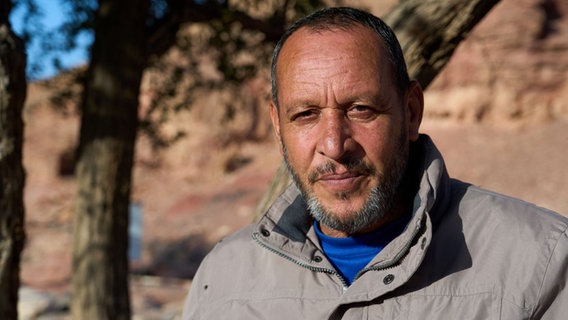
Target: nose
{"x": 335, "y": 140}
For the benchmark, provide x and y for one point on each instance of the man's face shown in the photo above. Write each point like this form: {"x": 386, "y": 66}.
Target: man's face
{"x": 343, "y": 126}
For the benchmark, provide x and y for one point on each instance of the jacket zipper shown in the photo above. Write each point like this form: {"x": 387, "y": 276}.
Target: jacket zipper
{"x": 302, "y": 264}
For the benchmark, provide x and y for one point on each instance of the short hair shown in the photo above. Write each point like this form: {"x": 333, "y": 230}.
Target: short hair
{"x": 344, "y": 18}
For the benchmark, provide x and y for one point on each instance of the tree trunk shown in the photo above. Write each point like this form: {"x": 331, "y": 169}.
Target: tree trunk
{"x": 12, "y": 176}
{"x": 108, "y": 132}
{"x": 429, "y": 31}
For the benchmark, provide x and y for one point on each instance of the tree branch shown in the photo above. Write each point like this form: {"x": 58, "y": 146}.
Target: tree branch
{"x": 429, "y": 31}
{"x": 162, "y": 34}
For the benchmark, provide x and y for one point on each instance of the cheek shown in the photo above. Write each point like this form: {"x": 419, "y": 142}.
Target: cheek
{"x": 299, "y": 149}
{"x": 378, "y": 143}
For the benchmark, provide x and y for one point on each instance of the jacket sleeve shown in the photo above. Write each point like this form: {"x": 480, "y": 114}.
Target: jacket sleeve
{"x": 553, "y": 298}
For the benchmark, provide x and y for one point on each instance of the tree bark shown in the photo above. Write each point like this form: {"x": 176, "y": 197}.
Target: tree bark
{"x": 106, "y": 151}
{"x": 12, "y": 176}
{"x": 429, "y": 31}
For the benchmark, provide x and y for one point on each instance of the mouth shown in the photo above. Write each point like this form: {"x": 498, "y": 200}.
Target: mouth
{"x": 340, "y": 183}
{"x": 341, "y": 179}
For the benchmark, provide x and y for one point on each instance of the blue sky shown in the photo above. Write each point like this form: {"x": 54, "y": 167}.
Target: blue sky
{"x": 53, "y": 15}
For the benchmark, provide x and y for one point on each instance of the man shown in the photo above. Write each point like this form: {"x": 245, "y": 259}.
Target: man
{"x": 373, "y": 227}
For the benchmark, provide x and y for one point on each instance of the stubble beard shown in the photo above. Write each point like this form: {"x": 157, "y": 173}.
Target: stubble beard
{"x": 378, "y": 204}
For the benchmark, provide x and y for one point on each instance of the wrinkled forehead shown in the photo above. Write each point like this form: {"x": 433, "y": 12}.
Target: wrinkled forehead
{"x": 356, "y": 36}
{"x": 317, "y": 47}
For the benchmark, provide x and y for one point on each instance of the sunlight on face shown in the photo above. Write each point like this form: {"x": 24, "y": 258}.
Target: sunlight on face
{"x": 342, "y": 125}
{"x": 378, "y": 203}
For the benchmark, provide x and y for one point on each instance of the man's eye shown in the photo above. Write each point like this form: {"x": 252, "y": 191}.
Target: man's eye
{"x": 304, "y": 115}
{"x": 359, "y": 108}
{"x": 361, "y": 112}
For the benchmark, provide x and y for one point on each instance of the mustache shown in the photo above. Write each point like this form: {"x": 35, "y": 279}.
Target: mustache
{"x": 351, "y": 164}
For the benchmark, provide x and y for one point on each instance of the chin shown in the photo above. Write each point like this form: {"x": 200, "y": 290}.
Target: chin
{"x": 344, "y": 210}
{"x": 353, "y": 214}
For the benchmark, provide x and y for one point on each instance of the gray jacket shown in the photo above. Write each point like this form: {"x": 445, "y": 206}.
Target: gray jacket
{"x": 467, "y": 253}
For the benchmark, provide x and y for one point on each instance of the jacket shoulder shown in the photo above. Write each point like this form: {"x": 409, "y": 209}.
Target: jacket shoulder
{"x": 486, "y": 201}
{"x": 515, "y": 243}
{"x": 218, "y": 271}
{"x": 231, "y": 246}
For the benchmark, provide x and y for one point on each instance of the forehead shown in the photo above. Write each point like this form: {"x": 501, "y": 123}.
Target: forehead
{"x": 359, "y": 39}
{"x": 336, "y": 57}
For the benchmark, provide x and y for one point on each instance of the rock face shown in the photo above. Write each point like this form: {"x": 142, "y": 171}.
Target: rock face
{"x": 512, "y": 68}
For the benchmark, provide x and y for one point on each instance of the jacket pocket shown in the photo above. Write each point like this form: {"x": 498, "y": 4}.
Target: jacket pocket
{"x": 480, "y": 305}
{"x": 485, "y": 306}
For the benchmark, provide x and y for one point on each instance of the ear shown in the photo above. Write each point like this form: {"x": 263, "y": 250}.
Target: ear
{"x": 414, "y": 109}
{"x": 275, "y": 117}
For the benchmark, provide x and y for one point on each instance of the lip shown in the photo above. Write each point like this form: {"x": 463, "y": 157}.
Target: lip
{"x": 340, "y": 182}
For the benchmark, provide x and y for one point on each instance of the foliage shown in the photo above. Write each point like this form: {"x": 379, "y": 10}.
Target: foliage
{"x": 236, "y": 37}
{"x": 237, "y": 40}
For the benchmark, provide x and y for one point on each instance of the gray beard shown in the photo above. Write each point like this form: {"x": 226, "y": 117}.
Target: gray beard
{"x": 377, "y": 206}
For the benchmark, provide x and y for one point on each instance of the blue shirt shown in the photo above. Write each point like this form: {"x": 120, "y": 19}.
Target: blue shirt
{"x": 350, "y": 255}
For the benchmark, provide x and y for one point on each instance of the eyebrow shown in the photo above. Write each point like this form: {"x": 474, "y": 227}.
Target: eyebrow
{"x": 379, "y": 101}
